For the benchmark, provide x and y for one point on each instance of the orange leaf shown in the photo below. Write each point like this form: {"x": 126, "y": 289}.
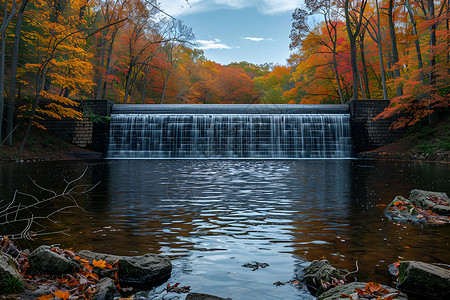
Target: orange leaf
{"x": 99, "y": 263}
{"x": 46, "y": 297}
{"x": 346, "y": 296}
{"x": 62, "y": 295}
{"x": 361, "y": 292}
{"x": 372, "y": 287}
{"x": 92, "y": 275}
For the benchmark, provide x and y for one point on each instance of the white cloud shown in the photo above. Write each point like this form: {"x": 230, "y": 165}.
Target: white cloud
{"x": 211, "y": 44}
{"x": 254, "y": 39}
{"x": 257, "y": 39}
{"x": 268, "y": 7}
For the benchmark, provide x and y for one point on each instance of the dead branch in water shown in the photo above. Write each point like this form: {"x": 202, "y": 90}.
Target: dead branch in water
{"x": 25, "y": 220}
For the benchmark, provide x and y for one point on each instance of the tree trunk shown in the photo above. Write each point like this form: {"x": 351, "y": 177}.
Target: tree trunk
{"x": 7, "y": 17}
{"x": 432, "y": 61}
{"x": 165, "y": 86}
{"x": 144, "y": 85}
{"x": 128, "y": 82}
{"x": 333, "y": 38}
{"x": 352, "y": 37}
{"x": 12, "y": 93}
{"x": 394, "y": 45}
{"x": 40, "y": 83}
{"x": 363, "y": 62}
{"x": 108, "y": 61}
{"x": 100, "y": 75}
{"x": 416, "y": 41}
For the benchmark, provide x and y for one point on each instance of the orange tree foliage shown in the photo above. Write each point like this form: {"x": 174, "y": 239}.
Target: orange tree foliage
{"x": 422, "y": 32}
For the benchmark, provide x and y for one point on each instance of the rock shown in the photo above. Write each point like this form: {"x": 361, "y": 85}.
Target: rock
{"x": 318, "y": 272}
{"x": 348, "y": 289}
{"x": 417, "y": 209}
{"x": 255, "y": 265}
{"x": 7, "y": 269}
{"x": 402, "y": 210}
{"x": 424, "y": 280}
{"x": 425, "y": 199}
{"x": 198, "y": 296}
{"x": 147, "y": 268}
{"x": 105, "y": 289}
{"x": 48, "y": 262}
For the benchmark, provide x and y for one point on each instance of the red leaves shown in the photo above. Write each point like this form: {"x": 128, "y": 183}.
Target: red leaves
{"x": 371, "y": 290}
{"x": 176, "y": 289}
{"x": 437, "y": 200}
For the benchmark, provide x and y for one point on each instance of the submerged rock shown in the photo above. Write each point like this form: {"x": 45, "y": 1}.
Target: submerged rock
{"x": 147, "y": 268}
{"x": 350, "y": 288}
{"x": 255, "y": 265}
{"x": 424, "y": 280}
{"x": 319, "y": 275}
{"x": 435, "y": 201}
{"x": 422, "y": 207}
{"x": 199, "y": 296}
{"x": 402, "y": 210}
{"x": 44, "y": 260}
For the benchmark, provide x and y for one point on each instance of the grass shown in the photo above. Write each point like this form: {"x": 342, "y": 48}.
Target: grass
{"x": 11, "y": 285}
{"x": 427, "y": 139}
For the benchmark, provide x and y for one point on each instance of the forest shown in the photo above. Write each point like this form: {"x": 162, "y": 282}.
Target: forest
{"x": 130, "y": 51}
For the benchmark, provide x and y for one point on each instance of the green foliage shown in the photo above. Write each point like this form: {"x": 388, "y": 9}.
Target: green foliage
{"x": 430, "y": 139}
{"x": 99, "y": 119}
{"x": 11, "y": 285}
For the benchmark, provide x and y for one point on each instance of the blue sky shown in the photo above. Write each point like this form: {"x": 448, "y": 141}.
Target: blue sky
{"x": 256, "y": 31}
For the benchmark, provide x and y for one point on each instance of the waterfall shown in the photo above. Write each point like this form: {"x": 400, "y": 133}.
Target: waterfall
{"x": 228, "y": 135}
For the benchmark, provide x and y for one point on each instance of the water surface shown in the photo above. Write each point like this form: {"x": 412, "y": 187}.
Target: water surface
{"x": 213, "y": 216}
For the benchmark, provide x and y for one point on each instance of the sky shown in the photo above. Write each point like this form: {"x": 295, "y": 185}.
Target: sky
{"x": 256, "y": 31}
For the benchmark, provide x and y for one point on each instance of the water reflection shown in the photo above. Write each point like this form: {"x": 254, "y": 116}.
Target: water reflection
{"x": 212, "y": 216}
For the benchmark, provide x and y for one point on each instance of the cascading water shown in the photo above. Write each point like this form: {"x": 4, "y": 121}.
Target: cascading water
{"x": 159, "y": 134}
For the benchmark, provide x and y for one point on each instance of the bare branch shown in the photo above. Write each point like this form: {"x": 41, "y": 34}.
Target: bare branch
{"x": 25, "y": 219}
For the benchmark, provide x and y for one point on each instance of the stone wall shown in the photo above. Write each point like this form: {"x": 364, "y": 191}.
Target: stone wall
{"x": 91, "y": 132}
{"x": 367, "y": 133}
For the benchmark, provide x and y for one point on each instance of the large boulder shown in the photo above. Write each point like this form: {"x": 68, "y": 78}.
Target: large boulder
{"x": 437, "y": 202}
{"x": 147, "y": 268}
{"x": 350, "y": 288}
{"x": 8, "y": 270}
{"x": 424, "y": 280}
{"x": 46, "y": 261}
{"x": 320, "y": 274}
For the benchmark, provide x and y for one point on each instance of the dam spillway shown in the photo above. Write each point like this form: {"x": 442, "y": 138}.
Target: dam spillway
{"x": 230, "y": 131}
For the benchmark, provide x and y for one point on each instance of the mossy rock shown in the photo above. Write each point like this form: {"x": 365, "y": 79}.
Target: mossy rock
{"x": 317, "y": 272}
{"x": 10, "y": 279}
{"x": 45, "y": 261}
{"x": 421, "y": 199}
{"x": 424, "y": 280}
{"x": 348, "y": 289}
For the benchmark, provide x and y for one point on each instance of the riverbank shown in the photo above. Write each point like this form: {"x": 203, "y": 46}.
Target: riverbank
{"x": 44, "y": 146}
{"x": 421, "y": 143}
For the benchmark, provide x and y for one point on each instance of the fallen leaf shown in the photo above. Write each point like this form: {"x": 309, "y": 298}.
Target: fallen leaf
{"x": 99, "y": 263}
{"x": 46, "y": 297}
{"x": 62, "y": 295}
{"x": 372, "y": 287}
